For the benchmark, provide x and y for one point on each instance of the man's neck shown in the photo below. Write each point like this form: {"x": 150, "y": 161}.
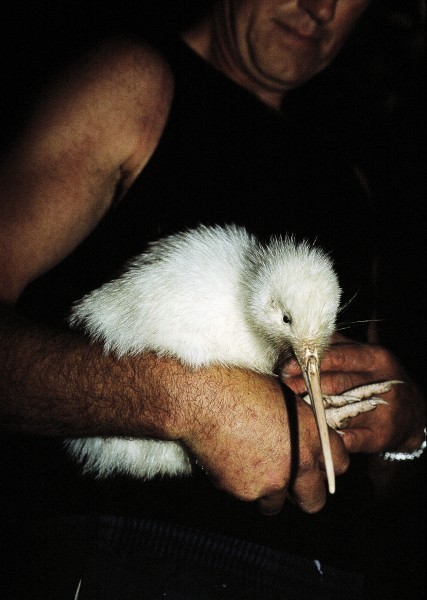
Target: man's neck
{"x": 207, "y": 42}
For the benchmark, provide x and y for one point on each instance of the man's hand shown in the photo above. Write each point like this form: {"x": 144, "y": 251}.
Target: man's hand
{"x": 397, "y": 425}
{"x": 239, "y": 432}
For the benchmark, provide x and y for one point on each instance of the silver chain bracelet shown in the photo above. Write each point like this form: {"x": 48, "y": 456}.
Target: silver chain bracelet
{"x": 392, "y": 456}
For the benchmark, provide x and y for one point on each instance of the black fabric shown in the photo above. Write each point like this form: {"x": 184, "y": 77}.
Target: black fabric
{"x": 225, "y": 157}
{"x": 138, "y": 559}
{"x": 156, "y": 560}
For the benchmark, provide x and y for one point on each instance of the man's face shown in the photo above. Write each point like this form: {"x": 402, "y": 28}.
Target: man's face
{"x": 282, "y": 43}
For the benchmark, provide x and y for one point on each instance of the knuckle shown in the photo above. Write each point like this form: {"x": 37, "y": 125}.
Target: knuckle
{"x": 314, "y": 507}
{"x": 247, "y": 495}
{"x": 242, "y": 491}
{"x": 256, "y": 493}
{"x": 275, "y": 489}
{"x": 307, "y": 461}
{"x": 342, "y": 468}
{"x": 380, "y": 355}
{"x": 311, "y": 499}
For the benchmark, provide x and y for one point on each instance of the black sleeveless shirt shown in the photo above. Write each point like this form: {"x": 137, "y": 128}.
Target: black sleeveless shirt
{"x": 223, "y": 157}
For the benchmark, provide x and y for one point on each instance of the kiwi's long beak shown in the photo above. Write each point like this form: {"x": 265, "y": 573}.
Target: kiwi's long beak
{"x": 311, "y": 375}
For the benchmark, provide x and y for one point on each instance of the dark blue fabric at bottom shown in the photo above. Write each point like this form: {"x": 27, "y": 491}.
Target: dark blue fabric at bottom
{"x": 134, "y": 559}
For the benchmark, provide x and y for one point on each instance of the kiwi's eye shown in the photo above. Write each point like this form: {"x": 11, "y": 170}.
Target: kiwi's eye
{"x": 286, "y": 319}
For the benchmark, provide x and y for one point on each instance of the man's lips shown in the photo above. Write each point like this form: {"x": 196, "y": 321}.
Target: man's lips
{"x": 303, "y": 36}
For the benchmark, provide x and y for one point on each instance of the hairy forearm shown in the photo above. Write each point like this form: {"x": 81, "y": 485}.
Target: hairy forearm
{"x": 58, "y": 383}
{"x": 234, "y": 422}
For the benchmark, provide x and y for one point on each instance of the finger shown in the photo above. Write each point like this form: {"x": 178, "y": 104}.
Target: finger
{"x": 333, "y": 383}
{"x": 361, "y": 357}
{"x": 363, "y": 439}
{"x": 345, "y": 356}
{"x": 340, "y": 454}
{"x": 336, "y": 383}
{"x": 290, "y": 368}
{"x": 273, "y": 503}
{"x": 341, "y": 355}
{"x": 344, "y": 366}
{"x": 309, "y": 491}
{"x": 296, "y": 384}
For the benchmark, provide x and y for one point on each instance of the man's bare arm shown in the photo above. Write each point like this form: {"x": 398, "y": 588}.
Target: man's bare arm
{"x": 57, "y": 383}
{"x": 89, "y": 137}
{"x": 235, "y": 422}
{"x": 86, "y": 142}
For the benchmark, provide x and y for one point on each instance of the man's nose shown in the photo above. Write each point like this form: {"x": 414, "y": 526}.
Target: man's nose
{"x": 321, "y": 11}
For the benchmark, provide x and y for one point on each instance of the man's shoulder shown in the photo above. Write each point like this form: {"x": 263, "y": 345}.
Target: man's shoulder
{"x": 119, "y": 93}
{"x": 137, "y": 66}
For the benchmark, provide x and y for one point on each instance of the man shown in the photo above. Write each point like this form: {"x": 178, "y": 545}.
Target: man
{"x": 94, "y": 140}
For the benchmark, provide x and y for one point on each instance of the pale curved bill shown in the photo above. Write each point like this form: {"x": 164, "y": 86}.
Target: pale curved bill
{"x": 311, "y": 375}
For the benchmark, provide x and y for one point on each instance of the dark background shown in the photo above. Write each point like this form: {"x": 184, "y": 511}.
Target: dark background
{"x": 372, "y": 100}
